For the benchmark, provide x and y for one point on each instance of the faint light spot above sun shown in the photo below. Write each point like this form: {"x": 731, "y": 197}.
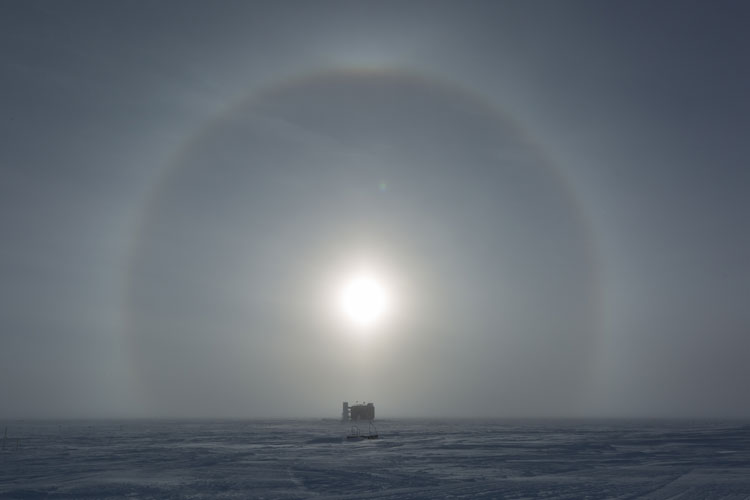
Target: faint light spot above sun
{"x": 364, "y": 300}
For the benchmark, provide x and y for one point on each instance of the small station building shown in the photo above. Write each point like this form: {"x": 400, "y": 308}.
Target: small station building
{"x": 358, "y": 411}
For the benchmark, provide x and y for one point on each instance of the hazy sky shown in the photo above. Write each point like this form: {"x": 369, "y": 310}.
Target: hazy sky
{"x": 553, "y": 195}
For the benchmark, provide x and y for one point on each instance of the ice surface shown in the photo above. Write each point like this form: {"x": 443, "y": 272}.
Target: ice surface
{"x": 413, "y": 459}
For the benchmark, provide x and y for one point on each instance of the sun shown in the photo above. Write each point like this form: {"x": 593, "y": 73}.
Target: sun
{"x": 364, "y": 299}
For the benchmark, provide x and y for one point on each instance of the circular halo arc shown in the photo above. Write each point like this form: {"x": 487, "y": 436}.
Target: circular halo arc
{"x": 170, "y": 169}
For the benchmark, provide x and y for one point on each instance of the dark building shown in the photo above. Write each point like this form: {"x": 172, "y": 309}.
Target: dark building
{"x": 364, "y": 411}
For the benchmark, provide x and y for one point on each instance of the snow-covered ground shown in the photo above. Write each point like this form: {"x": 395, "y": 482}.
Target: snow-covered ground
{"x": 413, "y": 459}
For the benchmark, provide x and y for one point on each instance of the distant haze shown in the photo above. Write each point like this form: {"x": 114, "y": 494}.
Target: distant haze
{"x": 553, "y": 195}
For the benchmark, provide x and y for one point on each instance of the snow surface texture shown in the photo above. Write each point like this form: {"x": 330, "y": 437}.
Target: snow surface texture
{"x": 412, "y": 460}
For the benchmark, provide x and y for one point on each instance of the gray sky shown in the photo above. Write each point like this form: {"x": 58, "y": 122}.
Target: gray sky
{"x": 552, "y": 194}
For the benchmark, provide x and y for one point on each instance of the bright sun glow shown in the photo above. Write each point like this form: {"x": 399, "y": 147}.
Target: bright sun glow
{"x": 364, "y": 300}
